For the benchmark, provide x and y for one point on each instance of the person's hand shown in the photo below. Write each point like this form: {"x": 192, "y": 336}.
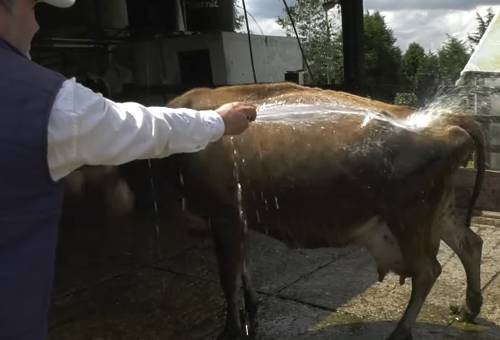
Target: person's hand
{"x": 237, "y": 116}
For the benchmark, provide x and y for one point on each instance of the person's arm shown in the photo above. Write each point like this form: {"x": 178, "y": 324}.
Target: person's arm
{"x": 88, "y": 129}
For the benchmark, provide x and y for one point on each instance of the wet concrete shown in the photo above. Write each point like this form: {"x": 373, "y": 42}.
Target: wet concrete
{"x": 130, "y": 288}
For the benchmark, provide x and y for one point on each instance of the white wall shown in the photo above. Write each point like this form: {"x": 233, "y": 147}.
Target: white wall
{"x": 273, "y": 56}
{"x": 156, "y": 62}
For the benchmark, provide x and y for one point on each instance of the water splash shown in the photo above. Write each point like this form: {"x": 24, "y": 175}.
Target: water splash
{"x": 239, "y": 191}
{"x": 183, "y": 199}
{"x": 276, "y": 203}
{"x": 459, "y": 100}
{"x": 156, "y": 210}
{"x": 283, "y": 112}
{"x": 444, "y": 105}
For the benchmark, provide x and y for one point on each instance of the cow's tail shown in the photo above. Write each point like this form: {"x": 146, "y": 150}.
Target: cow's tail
{"x": 474, "y": 130}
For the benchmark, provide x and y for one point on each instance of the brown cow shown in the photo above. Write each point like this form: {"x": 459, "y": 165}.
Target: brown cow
{"x": 333, "y": 179}
{"x": 206, "y": 98}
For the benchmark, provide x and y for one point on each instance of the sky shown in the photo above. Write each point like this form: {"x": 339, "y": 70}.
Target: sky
{"x": 426, "y": 22}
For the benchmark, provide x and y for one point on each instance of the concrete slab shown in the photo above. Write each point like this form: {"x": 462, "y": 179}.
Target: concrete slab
{"x": 285, "y": 320}
{"x": 92, "y": 251}
{"x": 148, "y": 304}
{"x": 274, "y": 266}
{"x": 320, "y": 294}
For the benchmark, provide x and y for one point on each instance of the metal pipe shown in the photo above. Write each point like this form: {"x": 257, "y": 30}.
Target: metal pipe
{"x": 298, "y": 40}
{"x": 249, "y": 42}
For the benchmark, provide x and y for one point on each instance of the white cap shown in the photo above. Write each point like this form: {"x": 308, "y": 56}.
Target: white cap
{"x": 59, "y": 3}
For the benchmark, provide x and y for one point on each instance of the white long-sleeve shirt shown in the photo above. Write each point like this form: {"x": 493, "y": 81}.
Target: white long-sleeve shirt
{"x": 87, "y": 129}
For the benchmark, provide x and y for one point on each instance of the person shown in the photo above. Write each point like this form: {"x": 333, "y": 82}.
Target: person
{"x": 50, "y": 126}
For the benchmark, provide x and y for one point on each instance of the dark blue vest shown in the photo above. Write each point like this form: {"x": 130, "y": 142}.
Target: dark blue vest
{"x": 30, "y": 202}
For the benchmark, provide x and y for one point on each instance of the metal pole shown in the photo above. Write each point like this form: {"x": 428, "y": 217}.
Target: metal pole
{"x": 249, "y": 42}
{"x": 298, "y": 40}
{"x": 352, "y": 32}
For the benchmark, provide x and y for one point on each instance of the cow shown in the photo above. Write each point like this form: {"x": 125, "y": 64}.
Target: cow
{"x": 357, "y": 175}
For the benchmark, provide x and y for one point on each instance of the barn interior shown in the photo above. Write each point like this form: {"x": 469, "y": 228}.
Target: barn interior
{"x": 144, "y": 276}
{"x": 153, "y": 50}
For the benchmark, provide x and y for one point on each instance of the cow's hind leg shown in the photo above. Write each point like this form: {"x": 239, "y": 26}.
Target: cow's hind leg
{"x": 468, "y": 246}
{"x": 229, "y": 240}
{"x": 425, "y": 273}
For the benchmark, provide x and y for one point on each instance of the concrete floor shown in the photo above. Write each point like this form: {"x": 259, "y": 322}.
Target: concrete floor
{"x": 114, "y": 286}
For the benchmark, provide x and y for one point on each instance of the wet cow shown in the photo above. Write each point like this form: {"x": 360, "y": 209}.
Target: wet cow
{"x": 349, "y": 176}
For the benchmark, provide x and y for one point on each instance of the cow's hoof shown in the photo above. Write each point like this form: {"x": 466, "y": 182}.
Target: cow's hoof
{"x": 464, "y": 313}
{"x": 468, "y": 311}
{"x": 405, "y": 337}
{"x": 232, "y": 336}
{"x": 400, "y": 334}
{"x": 248, "y": 323}
{"x": 471, "y": 310}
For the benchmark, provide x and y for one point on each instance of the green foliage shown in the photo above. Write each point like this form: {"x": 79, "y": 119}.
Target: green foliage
{"x": 382, "y": 58}
{"x": 413, "y": 60}
{"x": 452, "y": 58}
{"x": 482, "y": 25}
{"x": 320, "y": 37}
{"x": 405, "y": 98}
{"x": 239, "y": 19}
{"x": 427, "y": 78}
{"x": 322, "y": 40}
{"x": 387, "y": 70}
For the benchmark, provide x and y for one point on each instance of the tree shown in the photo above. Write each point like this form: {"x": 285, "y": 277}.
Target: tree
{"x": 452, "y": 58}
{"x": 427, "y": 79}
{"x": 413, "y": 60}
{"x": 421, "y": 73}
{"x": 239, "y": 18}
{"x": 482, "y": 26}
{"x": 382, "y": 58}
{"x": 322, "y": 41}
{"x": 320, "y": 37}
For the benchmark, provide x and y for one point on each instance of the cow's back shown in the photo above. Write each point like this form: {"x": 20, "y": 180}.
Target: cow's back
{"x": 210, "y": 99}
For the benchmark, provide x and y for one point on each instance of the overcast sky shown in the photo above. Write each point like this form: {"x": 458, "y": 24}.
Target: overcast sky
{"x": 424, "y": 21}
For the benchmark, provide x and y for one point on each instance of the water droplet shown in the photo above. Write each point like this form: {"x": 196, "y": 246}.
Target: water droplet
{"x": 240, "y": 196}
{"x": 239, "y": 191}
{"x": 181, "y": 178}
{"x": 276, "y": 203}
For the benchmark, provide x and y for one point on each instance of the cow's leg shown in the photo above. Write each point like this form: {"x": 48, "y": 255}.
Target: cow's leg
{"x": 468, "y": 246}
{"x": 425, "y": 272}
{"x": 229, "y": 240}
